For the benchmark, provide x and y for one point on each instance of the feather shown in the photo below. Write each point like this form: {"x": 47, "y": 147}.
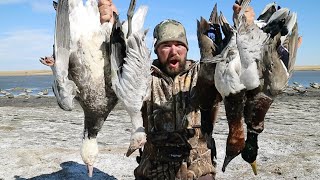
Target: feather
{"x": 131, "y": 72}
{"x": 81, "y": 68}
{"x": 63, "y": 88}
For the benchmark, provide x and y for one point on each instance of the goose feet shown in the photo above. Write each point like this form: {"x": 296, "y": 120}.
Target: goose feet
{"x": 48, "y": 61}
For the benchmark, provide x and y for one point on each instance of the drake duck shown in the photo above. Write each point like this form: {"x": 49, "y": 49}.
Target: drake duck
{"x": 249, "y": 86}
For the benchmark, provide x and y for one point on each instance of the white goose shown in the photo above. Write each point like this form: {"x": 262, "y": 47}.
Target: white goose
{"x": 82, "y": 70}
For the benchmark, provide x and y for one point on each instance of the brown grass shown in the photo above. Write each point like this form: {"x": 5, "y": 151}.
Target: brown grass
{"x": 307, "y": 68}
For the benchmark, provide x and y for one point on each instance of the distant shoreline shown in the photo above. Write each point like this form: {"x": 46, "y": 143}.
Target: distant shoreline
{"x": 26, "y": 73}
{"x": 307, "y": 68}
{"x": 49, "y": 72}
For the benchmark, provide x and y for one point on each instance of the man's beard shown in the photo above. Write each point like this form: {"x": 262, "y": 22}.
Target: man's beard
{"x": 172, "y": 72}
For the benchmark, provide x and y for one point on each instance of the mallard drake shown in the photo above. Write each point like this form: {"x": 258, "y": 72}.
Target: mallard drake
{"x": 83, "y": 70}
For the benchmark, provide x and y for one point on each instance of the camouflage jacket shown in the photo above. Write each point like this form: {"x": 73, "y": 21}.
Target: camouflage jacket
{"x": 171, "y": 107}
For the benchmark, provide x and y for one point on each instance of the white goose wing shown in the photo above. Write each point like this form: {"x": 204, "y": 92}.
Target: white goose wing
{"x": 63, "y": 88}
{"x": 131, "y": 77}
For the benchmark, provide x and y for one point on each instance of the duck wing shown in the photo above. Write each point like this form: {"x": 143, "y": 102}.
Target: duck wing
{"x": 267, "y": 12}
{"x": 293, "y": 47}
{"x": 280, "y": 51}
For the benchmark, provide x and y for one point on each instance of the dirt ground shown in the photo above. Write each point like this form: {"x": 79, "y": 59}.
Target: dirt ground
{"x": 38, "y": 140}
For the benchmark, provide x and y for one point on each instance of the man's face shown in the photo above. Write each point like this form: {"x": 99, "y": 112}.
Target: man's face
{"x": 172, "y": 56}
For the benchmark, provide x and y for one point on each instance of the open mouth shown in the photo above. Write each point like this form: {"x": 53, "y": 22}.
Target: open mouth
{"x": 174, "y": 63}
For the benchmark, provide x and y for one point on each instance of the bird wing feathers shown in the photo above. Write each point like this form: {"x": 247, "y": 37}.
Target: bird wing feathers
{"x": 80, "y": 61}
{"x": 292, "y": 48}
{"x": 131, "y": 76}
{"x": 63, "y": 88}
{"x": 280, "y": 51}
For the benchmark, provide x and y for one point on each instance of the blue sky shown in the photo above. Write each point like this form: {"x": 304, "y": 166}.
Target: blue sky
{"x": 27, "y": 26}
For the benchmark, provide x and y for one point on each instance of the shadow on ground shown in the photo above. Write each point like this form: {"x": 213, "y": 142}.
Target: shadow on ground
{"x": 71, "y": 170}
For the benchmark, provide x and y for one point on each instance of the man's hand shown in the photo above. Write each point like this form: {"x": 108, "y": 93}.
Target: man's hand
{"x": 106, "y": 9}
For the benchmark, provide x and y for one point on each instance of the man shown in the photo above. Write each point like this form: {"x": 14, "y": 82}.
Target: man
{"x": 175, "y": 147}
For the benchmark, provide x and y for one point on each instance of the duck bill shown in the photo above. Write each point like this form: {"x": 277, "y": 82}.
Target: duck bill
{"x": 254, "y": 167}
{"x": 227, "y": 160}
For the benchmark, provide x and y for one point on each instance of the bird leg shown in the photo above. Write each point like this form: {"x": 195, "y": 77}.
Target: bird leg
{"x": 234, "y": 105}
{"x": 257, "y": 105}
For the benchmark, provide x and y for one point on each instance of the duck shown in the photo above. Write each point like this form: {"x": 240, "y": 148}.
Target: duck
{"x": 224, "y": 55}
{"x": 210, "y": 44}
{"x": 250, "y": 86}
{"x": 82, "y": 69}
{"x": 228, "y": 83}
{"x": 266, "y": 13}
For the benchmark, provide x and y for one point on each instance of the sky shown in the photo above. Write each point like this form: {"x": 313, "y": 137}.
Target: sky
{"x": 27, "y": 26}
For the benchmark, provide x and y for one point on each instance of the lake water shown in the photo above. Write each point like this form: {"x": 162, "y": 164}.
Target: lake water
{"x": 305, "y": 77}
{"x": 16, "y": 84}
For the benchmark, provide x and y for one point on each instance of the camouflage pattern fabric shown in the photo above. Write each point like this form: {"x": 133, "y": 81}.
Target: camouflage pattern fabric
{"x": 169, "y": 30}
{"x": 172, "y": 108}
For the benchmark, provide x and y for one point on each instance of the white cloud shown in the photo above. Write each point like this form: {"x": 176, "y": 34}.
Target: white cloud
{"x": 42, "y": 6}
{"x": 20, "y": 50}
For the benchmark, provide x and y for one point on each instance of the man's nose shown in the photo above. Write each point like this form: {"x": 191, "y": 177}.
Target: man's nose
{"x": 174, "y": 49}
